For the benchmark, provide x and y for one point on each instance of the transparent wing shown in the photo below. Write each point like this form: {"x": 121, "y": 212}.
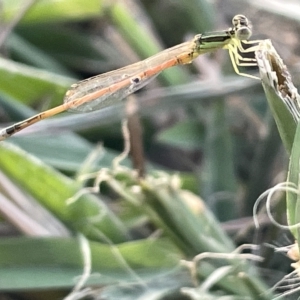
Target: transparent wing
{"x": 110, "y": 88}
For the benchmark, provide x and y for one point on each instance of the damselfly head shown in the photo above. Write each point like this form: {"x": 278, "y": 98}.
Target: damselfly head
{"x": 242, "y": 27}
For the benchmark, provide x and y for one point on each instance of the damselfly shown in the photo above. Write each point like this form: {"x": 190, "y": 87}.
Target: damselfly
{"x": 106, "y": 89}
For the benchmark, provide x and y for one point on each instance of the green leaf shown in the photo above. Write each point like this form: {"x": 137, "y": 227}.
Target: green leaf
{"x": 27, "y": 84}
{"x": 80, "y": 50}
{"x": 292, "y": 198}
{"x": 218, "y": 173}
{"x": 279, "y": 91}
{"x": 64, "y": 151}
{"x": 41, "y": 263}
{"x": 185, "y": 135}
{"x": 52, "y": 189}
{"x": 53, "y": 11}
{"x": 24, "y": 51}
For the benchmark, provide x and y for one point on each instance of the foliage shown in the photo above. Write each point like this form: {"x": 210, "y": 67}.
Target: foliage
{"x": 211, "y": 148}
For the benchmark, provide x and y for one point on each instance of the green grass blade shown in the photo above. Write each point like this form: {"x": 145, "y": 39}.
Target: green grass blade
{"x": 278, "y": 88}
{"x": 52, "y": 189}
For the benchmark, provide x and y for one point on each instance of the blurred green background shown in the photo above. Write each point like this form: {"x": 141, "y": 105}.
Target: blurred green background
{"x": 202, "y": 122}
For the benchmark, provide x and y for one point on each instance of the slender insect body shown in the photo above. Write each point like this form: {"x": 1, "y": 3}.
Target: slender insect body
{"x": 109, "y": 88}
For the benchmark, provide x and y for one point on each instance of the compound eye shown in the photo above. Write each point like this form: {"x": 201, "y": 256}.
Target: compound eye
{"x": 240, "y": 20}
{"x": 242, "y": 27}
{"x": 243, "y": 33}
